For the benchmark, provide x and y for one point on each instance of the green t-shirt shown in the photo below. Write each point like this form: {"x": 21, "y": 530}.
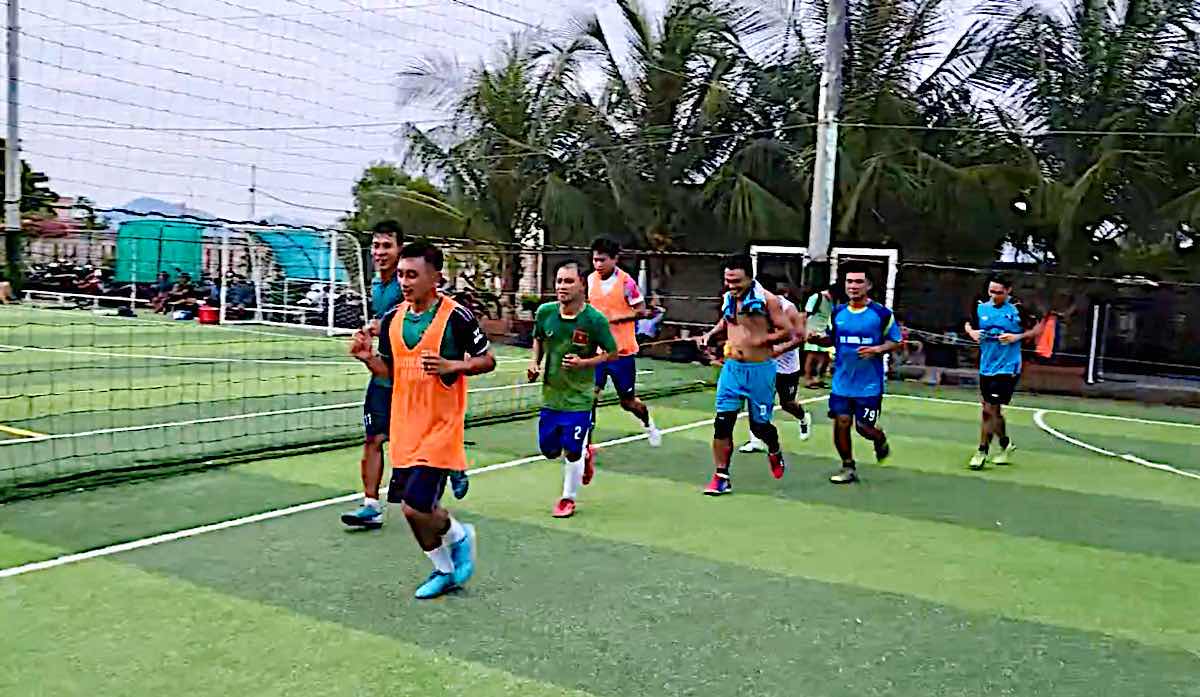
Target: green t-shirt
{"x": 584, "y": 335}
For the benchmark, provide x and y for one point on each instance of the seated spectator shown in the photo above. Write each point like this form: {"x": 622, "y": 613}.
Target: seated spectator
{"x": 183, "y": 295}
{"x": 6, "y": 293}
{"x": 650, "y": 327}
{"x": 162, "y": 289}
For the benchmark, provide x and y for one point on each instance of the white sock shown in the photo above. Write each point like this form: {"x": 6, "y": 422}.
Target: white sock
{"x": 572, "y": 477}
{"x": 371, "y": 503}
{"x": 441, "y": 559}
{"x": 456, "y": 533}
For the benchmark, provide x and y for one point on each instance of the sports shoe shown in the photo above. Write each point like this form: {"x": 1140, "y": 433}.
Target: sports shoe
{"x": 439, "y": 583}
{"x": 589, "y": 465}
{"x": 882, "y": 452}
{"x": 1003, "y": 457}
{"x": 459, "y": 483}
{"x": 719, "y": 485}
{"x": 846, "y": 475}
{"x": 364, "y": 516}
{"x": 565, "y": 508}
{"x": 462, "y": 553}
{"x": 977, "y": 460}
{"x": 777, "y": 464}
{"x": 753, "y": 445}
{"x": 806, "y": 426}
{"x": 653, "y": 435}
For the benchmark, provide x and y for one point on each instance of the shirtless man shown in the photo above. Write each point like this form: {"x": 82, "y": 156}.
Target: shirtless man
{"x": 755, "y": 322}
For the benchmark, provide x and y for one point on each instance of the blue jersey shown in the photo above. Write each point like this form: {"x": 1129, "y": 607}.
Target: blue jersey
{"x": 384, "y": 298}
{"x": 852, "y": 329}
{"x": 996, "y": 358}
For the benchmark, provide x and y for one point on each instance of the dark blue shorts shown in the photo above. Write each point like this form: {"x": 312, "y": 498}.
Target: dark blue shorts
{"x": 624, "y": 375}
{"x": 419, "y": 486}
{"x": 865, "y": 410}
{"x": 563, "y": 431}
{"x": 377, "y": 409}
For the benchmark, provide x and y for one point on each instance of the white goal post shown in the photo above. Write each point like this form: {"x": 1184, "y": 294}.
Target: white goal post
{"x": 837, "y": 255}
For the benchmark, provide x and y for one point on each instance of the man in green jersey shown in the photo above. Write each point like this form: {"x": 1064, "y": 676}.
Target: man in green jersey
{"x": 573, "y": 337}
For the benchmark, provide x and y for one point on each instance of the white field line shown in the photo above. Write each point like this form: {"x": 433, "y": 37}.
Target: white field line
{"x": 1039, "y": 417}
{"x": 1088, "y": 414}
{"x": 281, "y": 512}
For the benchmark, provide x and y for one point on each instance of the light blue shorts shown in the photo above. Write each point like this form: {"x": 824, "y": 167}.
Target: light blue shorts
{"x": 753, "y": 382}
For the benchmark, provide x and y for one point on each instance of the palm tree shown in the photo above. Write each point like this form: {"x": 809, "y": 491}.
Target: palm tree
{"x": 1098, "y": 83}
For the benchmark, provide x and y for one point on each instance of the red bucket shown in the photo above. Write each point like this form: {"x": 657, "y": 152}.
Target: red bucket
{"x": 208, "y": 315}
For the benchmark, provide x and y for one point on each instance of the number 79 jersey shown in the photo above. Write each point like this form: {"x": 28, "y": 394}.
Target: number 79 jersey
{"x": 855, "y": 328}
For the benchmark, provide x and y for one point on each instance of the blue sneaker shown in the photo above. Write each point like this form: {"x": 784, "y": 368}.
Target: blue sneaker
{"x": 364, "y": 517}
{"x": 463, "y": 554}
{"x": 719, "y": 485}
{"x": 438, "y": 584}
{"x": 459, "y": 483}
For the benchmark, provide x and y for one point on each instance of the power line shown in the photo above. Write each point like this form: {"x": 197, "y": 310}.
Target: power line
{"x": 170, "y": 22}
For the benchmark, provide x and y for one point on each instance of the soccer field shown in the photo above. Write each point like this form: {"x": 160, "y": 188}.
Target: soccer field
{"x": 1071, "y": 572}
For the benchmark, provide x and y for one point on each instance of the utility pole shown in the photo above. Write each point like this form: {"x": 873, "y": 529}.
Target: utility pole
{"x": 12, "y": 146}
{"x": 253, "y": 189}
{"x": 825, "y": 167}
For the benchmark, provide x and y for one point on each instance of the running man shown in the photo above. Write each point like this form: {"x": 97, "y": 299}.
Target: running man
{"x": 862, "y": 332}
{"x": 616, "y": 295}
{"x": 754, "y": 322}
{"x": 787, "y": 369}
{"x": 427, "y": 347}
{"x": 386, "y": 238}
{"x": 816, "y": 317}
{"x": 1002, "y": 328}
{"x": 574, "y": 339}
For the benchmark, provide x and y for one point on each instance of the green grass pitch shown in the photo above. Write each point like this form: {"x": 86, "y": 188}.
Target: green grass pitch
{"x": 1067, "y": 573}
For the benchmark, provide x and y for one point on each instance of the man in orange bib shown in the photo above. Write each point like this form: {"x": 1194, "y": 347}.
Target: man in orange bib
{"x": 617, "y": 296}
{"x": 427, "y": 347}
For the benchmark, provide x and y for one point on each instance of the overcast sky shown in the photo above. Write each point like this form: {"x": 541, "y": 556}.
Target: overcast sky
{"x": 99, "y": 75}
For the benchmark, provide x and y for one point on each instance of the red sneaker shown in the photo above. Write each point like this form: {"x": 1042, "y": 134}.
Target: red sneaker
{"x": 589, "y": 465}
{"x": 565, "y": 508}
{"x": 718, "y": 486}
{"x": 777, "y": 464}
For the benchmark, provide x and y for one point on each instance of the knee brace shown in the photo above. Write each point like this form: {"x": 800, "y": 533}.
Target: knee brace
{"x": 723, "y": 425}
{"x": 767, "y": 433}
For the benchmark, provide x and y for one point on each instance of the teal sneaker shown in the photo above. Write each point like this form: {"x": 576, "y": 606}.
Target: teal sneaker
{"x": 463, "y": 553}
{"x": 459, "y": 483}
{"x": 438, "y": 584}
{"x": 364, "y": 517}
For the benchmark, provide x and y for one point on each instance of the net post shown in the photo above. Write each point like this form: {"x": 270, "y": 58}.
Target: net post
{"x": 224, "y": 272}
{"x": 1091, "y": 362}
{"x": 332, "y": 297}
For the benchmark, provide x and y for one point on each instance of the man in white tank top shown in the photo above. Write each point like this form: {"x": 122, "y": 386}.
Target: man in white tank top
{"x": 787, "y": 368}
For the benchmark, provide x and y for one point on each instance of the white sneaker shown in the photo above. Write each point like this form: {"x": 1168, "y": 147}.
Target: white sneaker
{"x": 653, "y": 435}
{"x": 753, "y": 445}
{"x": 806, "y": 426}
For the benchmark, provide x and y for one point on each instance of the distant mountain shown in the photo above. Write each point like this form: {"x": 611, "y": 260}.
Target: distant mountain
{"x": 154, "y": 205}
{"x": 277, "y": 219}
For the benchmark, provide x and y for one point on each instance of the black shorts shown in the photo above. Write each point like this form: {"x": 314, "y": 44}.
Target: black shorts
{"x": 377, "y": 409}
{"x": 997, "y": 389}
{"x": 787, "y": 386}
{"x": 419, "y": 486}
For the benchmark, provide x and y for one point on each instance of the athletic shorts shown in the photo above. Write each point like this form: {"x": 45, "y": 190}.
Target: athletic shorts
{"x": 787, "y": 386}
{"x": 865, "y": 410}
{"x": 377, "y": 409}
{"x": 753, "y": 382}
{"x": 624, "y": 375}
{"x": 563, "y": 432}
{"x": 419, "y": 486}
{"x": 997, "y": 389}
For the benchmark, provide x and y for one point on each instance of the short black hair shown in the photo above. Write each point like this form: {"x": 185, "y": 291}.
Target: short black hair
{"x": 423, "y": 249}
{"x": 855, "y": 267}
{"x": 389, "y": 227}
{"x": 739, "y": 261}
{"x": 569, "y": 262}
{"x": 607, "y": 247}
{"x": 1001, "y": 279}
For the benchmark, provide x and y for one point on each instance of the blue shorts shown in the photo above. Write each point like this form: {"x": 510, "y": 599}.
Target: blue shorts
{"x": 377, "y": 409}
{"x": 563, "y": 431}
{"x": 624, "y": 375}
{"x": 419, "y": 486}
{"x": 753, "y": 382}
{"x": 864, "y": 410}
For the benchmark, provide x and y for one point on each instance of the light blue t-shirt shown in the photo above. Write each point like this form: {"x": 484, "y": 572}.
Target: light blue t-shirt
{"x": 852, "y": 329}
{"x": 384, "y": 298}
{"x": 996, "y": 358}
